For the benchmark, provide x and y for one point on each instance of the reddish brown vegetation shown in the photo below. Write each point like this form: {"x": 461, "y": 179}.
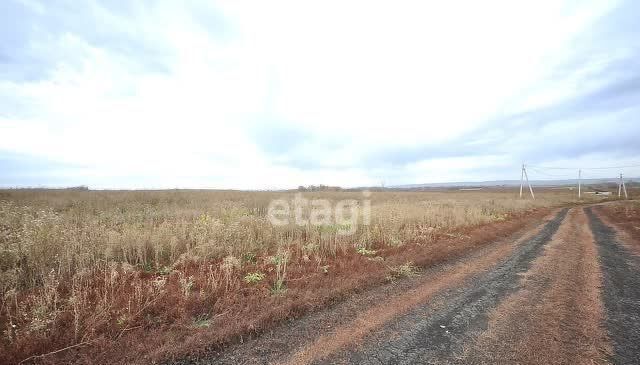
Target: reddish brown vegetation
{"x": 165, "y": 327}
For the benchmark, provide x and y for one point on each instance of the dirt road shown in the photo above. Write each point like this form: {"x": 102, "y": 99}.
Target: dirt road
{"x": 564, "y": 292}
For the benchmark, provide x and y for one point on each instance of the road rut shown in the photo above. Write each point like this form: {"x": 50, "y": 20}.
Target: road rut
{"x": 621, "y": 292}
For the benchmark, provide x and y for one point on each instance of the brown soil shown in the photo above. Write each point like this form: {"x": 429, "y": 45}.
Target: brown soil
{"x": 557, "y": 316}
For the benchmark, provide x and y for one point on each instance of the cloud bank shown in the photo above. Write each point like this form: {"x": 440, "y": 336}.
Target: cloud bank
{"x": 255, "y": 95}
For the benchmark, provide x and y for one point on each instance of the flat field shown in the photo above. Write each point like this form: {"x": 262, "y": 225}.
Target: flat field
{"x": 144, "y": 276}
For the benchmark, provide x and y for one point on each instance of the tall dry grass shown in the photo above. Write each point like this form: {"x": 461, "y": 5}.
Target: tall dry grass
{"x": 82, "y": 266}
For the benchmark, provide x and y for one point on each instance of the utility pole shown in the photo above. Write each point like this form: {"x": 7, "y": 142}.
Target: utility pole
{"x": 526, "y": 176}
{"x": 624, "y": 188}
{"x": 521, "y": 180}
{"x": 579, "y": 183}
{"x": 620, "y": 186}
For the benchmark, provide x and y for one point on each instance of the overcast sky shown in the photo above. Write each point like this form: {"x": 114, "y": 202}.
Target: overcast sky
{"x": 269, "y": 94}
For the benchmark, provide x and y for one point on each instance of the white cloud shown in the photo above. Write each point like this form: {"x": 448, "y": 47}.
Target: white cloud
{"x": 355, "y": 78}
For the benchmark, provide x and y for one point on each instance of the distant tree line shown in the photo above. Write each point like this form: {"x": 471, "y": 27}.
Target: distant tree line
{"x": 319, "y": 188}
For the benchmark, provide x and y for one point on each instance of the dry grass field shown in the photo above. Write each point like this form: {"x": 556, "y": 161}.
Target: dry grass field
{"x": 92, "y": 272}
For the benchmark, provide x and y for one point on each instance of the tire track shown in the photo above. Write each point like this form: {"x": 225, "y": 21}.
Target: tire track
{"x": 621, "y": 291}
{"x": 433, "y": 332}
{"x": 557, "y": 316}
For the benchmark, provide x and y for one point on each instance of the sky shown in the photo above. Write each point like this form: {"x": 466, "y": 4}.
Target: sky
{"x": 277, "y": 94}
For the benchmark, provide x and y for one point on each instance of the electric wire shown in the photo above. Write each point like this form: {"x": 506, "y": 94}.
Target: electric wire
{"x": 583, "y": 168}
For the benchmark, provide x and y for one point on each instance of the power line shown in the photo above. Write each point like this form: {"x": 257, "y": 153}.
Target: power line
{"x": 548, "y": 174}
{"x": 525, "y": 177}
{"x": 583, "y": 168}
{"x": 612, "y": 167}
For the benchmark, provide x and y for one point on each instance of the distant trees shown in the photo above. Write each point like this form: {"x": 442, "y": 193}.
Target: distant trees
{"x": 78, "y": 188}
{"x": 320, "y": 187}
